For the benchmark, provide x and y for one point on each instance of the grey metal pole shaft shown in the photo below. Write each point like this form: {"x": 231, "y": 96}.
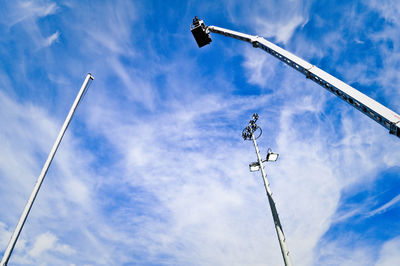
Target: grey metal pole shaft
{"x": 39, "y": 182}
{"x": 278, "y": 226}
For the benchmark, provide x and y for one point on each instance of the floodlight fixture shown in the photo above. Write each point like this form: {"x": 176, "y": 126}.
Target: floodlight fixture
{"x": 200, "y": 32}
{"x": 250, "y": 130}
{"x": 271, "y": 156}
{"x": 255, "y": 117}
{"x": 254, "y": 167}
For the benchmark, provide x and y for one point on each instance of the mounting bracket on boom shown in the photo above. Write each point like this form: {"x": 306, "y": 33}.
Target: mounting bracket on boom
{"x": 376, "y": 111}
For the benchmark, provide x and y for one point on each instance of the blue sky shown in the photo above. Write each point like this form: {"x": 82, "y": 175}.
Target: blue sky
{"x": 153, "y": 169}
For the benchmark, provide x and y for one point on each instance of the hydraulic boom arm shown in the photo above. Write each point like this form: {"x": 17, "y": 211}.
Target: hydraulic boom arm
{"x": 381, "y": 114}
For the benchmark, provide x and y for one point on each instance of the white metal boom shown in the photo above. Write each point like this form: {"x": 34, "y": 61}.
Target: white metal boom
{"x": 381, "y": 114}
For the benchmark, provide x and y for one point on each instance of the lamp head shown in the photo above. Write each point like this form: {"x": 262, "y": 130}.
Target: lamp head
{"x": 255, "y": 117}
{"x": 200, "y": 32}
{"x": 254, "y": 167}
{"x": 272, "y": 156}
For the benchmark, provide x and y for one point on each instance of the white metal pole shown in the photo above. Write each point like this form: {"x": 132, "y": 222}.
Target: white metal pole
{"x": 278, "y": 226}
{"x": 39, "y": 182}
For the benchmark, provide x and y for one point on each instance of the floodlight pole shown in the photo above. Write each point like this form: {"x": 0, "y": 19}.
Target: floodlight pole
{"x": 46, "y": 166}
{"x": 248, "y": 133}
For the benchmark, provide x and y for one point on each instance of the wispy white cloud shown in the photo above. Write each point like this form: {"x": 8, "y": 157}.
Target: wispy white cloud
{"x": 389, "y": 254}
{"x": 279, "y": 22}
{"x": 175, "y": 187}
{"x": 388, "y": 43}
{"x": 28, "y": 10}
{"x": 43, "y": 243}
{"x": 4, "y": 234}
{"x": 281, "y": 31}
{"x": 64, "y": 198}
{"x": 336, "y": 158}
{"x": 51, "y": 39}
{"x": 387, "y": 8}
{"x": 337, "y": 253}
{"x": 385, "y": 206}
{"x": 260, "y": 68}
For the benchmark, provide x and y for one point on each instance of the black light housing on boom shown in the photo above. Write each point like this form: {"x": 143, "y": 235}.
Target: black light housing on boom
{"x": 200, "y": 32}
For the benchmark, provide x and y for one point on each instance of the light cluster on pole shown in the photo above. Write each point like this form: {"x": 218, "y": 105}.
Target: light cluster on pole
{"x": 253, "y": 132}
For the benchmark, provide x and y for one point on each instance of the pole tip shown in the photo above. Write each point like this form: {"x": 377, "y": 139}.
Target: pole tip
{"x": 90, "y": 76}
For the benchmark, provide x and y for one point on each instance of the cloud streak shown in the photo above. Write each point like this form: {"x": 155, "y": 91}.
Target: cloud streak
{"x": 51, "y": 39}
